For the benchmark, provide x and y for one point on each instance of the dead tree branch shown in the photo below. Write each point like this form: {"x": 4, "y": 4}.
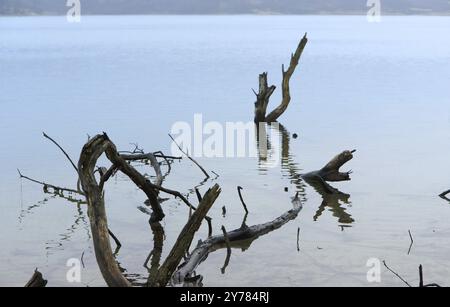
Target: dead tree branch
{"x": 242, "y": 199}
{"x": 396, "y": 274}
{"x": 185, "y": 238}
{"x": 239, "y": 238}
{"x": 62, "y": 150}
{"x": 265, "y": 92}
{"x": 55, "y": 188}
{"x": 190, "y": 158}
{"x": 97, "y": 212}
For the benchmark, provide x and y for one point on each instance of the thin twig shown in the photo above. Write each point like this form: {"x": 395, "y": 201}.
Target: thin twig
{"x": 298, "y": 239}
{"x": 63, "y": 151}
{"x": 118, "y": 244}
{"x": 82, "y": 259}
{"x": 384, "y": 262}
{"x": 227, "y": 242}
{"x": 199, "y": 196}
{"x": 190, "y": 158}
{"x": 412, "y": 241}
{"x": 47, "y": 185}
{"x": 242, "y": 199}
{"x": 443, "y": 195}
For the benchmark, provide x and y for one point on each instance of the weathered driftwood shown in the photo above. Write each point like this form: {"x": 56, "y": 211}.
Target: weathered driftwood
{"x": 36, "y": 281}
{"x": 330, "y": 172}
{"x": 265, "y": 91}
{"x": 185, "y": 238}
{"x": 239, "y": 238}
{"x": 96, "y": 211}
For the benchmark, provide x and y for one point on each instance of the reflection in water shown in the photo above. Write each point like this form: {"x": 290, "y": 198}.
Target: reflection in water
{"x": 80, "y": 219}
{"x": 332, "y": 198}
{"x": 265, "y": 149}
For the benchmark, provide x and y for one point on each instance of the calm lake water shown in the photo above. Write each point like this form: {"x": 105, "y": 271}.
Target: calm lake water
{"x": 380, "y": 88}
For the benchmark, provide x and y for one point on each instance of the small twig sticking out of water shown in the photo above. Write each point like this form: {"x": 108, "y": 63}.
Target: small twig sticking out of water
{"x": 190, "y": 158}
{"x": 421, "y": 283}
{"x": 420, "y": 276}
{"x": 298, "y": 239}
{"x": 224, "y": 211}
{"x": 227, "y": 242}
{"x": 199, "y": 196}
{"x": 118, "y": 244}
{"x": 242, "y": 199}
{"x": 207, "y": 218}
{"x": 443, "y": 195}
{"x": 412, "y": 241}
{"x": 217, "y": 175}
{"x": 396, "y": 274}
{"x": 82, "y": 259}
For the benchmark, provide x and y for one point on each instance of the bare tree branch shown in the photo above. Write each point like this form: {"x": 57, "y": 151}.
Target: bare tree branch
{"x": 185, "y": 238}
{"x": 190, "y": 158}
{"x": 63, "y": 151}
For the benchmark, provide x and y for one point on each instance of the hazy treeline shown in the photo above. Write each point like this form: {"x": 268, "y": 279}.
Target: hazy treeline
{"x": 56, "y": 7}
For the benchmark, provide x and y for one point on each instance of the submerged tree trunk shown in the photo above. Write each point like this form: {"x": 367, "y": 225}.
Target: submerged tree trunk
{"x": 265, "y": 91}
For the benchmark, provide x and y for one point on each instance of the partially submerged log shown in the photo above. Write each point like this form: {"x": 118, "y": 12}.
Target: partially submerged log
{"x": 185, "y": 238}
{"x": 265, "y": 91}
{"x": 239, "y": 238}
{"x": 330, "y": 172}
{"x": 36, "y": 281}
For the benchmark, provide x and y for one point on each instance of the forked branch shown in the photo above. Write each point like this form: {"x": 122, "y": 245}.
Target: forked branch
{"x": 265, "y": 92}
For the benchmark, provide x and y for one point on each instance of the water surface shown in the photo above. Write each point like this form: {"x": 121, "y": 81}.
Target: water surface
{"x": 380, "y": 88}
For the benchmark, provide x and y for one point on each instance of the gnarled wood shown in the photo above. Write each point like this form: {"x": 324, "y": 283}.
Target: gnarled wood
{"x": 239, "y": 238}
{"x": 97, "y": 212}
{"x": 265, "y": 92}
{"x": 330, "y": 172}
{"x": 185, "y": 238}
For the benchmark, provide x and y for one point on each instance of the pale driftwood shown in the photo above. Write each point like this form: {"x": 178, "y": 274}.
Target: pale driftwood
{"x": 36, "y": 281}
{"x": 265, "y": 91}
{"x": 97, "y": 211}
{"x": 185, "y": 238}
{"x": 239, "y": 238}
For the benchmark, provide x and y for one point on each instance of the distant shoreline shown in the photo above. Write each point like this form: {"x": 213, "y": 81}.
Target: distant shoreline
{"x": 443, "y": 14}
